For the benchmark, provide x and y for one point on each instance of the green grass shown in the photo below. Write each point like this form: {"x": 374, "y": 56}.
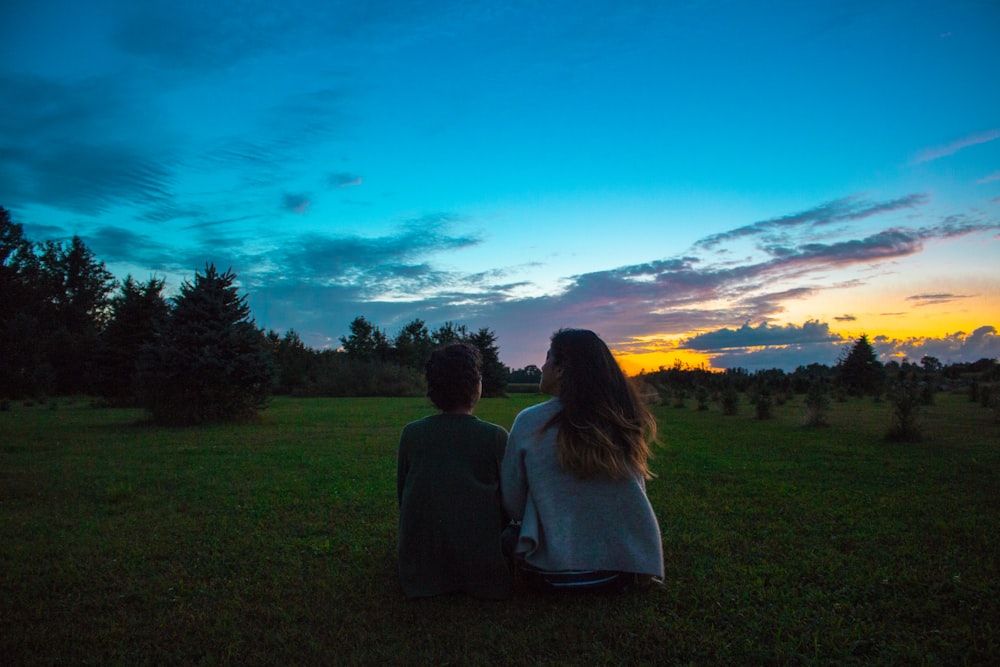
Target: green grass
{"x": 274, "y": 543}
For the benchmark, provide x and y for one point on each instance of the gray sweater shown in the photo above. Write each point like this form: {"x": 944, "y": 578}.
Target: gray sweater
{"x": 570, "y": 523}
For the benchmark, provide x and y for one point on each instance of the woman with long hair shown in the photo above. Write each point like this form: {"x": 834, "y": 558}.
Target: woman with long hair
{"x": 574, "y": 475}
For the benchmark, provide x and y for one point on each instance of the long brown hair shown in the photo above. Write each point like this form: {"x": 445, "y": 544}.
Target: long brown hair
{"x": 604, "y": 427}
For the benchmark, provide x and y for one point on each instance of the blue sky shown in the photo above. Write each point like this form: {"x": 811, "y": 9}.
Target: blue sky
{"x": 729, "y": 183}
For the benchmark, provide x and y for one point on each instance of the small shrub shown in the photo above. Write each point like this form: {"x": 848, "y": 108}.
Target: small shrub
{"x": 5, "y": 405}
{"x": 763, "y": 405}
{"x": 986, "y": 392}
{"x": 905, "y": 402}
{"x": 995, "y": 405}
{"x": 679, "y": 398}
{"x": 730, "y": 400}
{"x": 701, "y": 395}
{"x": 817, "y": 404}
{"x": 927, "y": 394}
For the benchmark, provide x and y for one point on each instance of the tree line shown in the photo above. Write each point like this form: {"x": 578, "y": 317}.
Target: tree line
{"x": 69, "y": 327}
{"x": 903, "y": 385}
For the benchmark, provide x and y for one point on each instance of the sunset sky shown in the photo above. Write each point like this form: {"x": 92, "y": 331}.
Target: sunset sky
{"x": 727, "y": 183}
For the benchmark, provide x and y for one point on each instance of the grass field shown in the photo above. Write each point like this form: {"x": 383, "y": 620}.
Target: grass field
{"x": 274, "y": 543}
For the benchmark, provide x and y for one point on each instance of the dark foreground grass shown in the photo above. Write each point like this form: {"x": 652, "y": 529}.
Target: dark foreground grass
{"x": 274, "y": 543}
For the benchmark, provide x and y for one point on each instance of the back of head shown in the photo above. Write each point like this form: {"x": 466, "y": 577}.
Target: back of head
{"x": 604, "y": 427}
{"x": 453, "y": 374}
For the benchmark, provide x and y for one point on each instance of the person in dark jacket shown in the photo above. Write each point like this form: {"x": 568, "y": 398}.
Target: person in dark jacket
{"x": 448, "y": 488}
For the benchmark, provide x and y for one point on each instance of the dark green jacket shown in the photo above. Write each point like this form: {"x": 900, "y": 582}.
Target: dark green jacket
{"x": 450, "y": 510}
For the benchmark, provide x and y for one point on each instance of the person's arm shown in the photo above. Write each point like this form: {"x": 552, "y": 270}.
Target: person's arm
{"x": 513, "y": 480}
{"x": 402, "y": 468}
{"x": 499, "y": 448}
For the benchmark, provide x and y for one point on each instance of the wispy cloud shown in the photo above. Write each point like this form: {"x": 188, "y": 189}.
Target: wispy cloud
{"x": 995, "y": 176}
{"x": 69, "y": 145}
{"x": 380, "y": 265}
{"x": 344, "y": 180}
{"x": 937, "y": 152}
{"x": 672, "y": 296}
{"x": 839, "y": 210}
{"x": 935, "y": 299}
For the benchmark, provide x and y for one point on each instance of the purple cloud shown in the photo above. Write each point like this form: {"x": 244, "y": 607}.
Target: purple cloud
{"x": 983, "y": 343}
{"x": 839, "y": 210}
{"x": 763, "y": 335}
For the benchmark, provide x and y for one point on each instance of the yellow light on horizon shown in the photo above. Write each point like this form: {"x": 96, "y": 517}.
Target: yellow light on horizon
{"x": 633, "y": 363}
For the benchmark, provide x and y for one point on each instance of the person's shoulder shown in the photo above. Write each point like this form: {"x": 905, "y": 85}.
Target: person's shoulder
{"x": 419, "y": 425}
{"x": 539, "y": 413}
{"x": 490, "y": 427}
{"x": 549, "y": 407}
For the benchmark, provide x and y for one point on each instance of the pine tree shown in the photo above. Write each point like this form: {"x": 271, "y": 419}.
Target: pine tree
{"x": 24, "y": 368}
{"x": 366, "y": 342}
{"x": 137, "y": 313}
{"x": 413, "y": 345}
{"x": 859, "y": 371}
{"x": 209, "y": 362}
{"x": 494, "y": 373}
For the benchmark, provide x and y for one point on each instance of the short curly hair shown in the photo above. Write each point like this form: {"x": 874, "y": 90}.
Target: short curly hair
{"x": 453, "y": 374}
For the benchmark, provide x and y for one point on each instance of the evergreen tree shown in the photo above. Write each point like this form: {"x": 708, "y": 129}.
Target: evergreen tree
{"x": 137, "y": 313}
{"x": 530, "y": 374}
{"x": 209, "y": 362}
{"x": 24, "y": 367}
{"x": 494, "y": 373}
{"x": 449, "y": 332}
{"x": 293, "y": 361}
{"x": 413, "y": 345}
{"x": 859, "y": 371}
{"x": 77, "y": 290}
{"x": 366, "y": 342}
{"x": 817, "y": 403}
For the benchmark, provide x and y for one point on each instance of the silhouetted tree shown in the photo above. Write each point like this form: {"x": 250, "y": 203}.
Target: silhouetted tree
{"x": 366, "y": 342}
{"x": 78, "y": 288}
{"x": 859, "y": 370}
{"x": 449, "y": 332}
{"x": 413, "y": 345}
{"x": 530, "y": 374}
{"x": 24, "y": 329}
{"x": 729, "y": 398}
{"x": 817, "y": 403}
{"x": 904, "y": 397}
{"x": 763, "y": 402}
{"x": 209, "y": 362}
{"x": 138, "y": 311}
{"x": 294, "y": 363}
{"x": 494, "y": 373}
